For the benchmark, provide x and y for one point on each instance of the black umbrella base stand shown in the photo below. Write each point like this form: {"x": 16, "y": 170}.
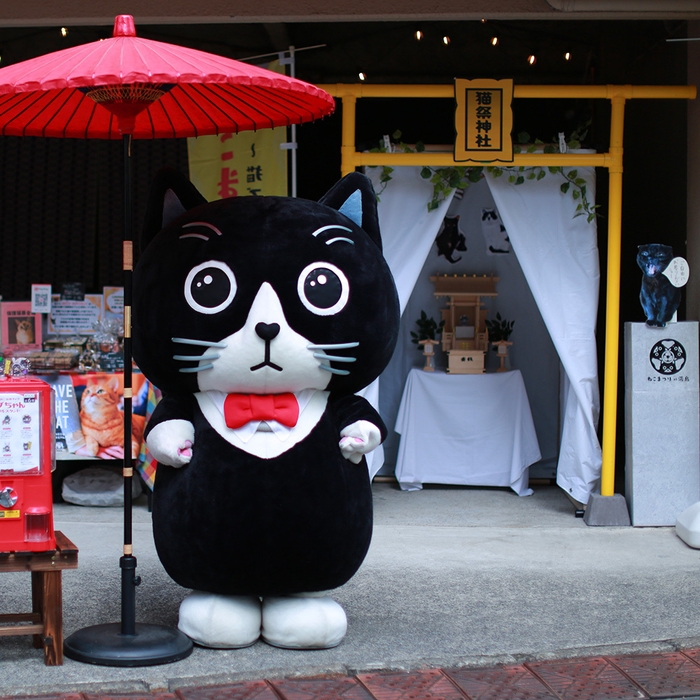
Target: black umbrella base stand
{"x": 127, "y": 643}
{"x": 106, "y": 645}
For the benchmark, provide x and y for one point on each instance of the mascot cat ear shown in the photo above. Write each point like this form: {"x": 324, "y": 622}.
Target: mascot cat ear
{"x": 354, "y": 197}
{"x": 171, "y": 194}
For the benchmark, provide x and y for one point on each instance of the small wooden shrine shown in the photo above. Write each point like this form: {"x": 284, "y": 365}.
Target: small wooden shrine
{"x": 465, "y": 337}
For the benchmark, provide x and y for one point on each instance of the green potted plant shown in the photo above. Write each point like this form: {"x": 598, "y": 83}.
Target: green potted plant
{"x": 428, "y": 328}
{"x": 499, "y": 329}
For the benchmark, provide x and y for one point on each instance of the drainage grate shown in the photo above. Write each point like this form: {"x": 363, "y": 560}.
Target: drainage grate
{"x": 341, "y": 688}
{"x": 660, "y": 675}
{"x": 250, "y": 690}
{"x": 585, "y": 679}
{"x": 511, "y": 682}
{"x": 418, "y": 685}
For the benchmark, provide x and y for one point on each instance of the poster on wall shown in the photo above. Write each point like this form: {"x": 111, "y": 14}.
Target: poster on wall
{"x": 113, "y": 303}
{"x": 21, "y": 329}
{"x": 99, "y": 398}
{"x": 251, "y": 163}
{"x": 20, "y": 432}
{"x": 70, "y": 316}
{"x": 68, "y": 432}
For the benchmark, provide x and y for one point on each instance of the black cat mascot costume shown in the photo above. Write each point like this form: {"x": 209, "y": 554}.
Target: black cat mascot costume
{"x": 258, "y": 318}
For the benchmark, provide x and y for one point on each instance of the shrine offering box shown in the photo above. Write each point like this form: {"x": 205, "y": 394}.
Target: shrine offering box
{"x": 465, "y": 362}
{"x": 27, "y": 455}
{"x": 464, "y": 336}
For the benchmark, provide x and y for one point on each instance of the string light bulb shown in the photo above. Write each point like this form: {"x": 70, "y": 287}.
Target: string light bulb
{"x": 532, "y": 59}
{"x": 494, "y": 41}
{"x": 446, "y": 40}
{"x": 567, "y": 56}
{"x": 64, "y": 31}
{"x": 362, "y": 75}
{"x": 419, "y": 35}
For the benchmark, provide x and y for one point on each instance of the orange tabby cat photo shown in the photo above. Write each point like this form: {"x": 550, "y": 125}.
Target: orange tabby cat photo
{"x": 24, "y": 333}
{"x": 102, "y": 419}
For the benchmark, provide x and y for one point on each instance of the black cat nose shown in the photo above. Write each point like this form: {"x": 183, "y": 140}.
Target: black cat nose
{"x": 267, "y": 331}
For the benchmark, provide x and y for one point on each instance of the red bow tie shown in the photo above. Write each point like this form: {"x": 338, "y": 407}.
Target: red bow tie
{"x": 240, "y": 409}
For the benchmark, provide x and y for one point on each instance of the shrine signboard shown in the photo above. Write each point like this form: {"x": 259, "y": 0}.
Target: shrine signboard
{"x": 483, "y": 120}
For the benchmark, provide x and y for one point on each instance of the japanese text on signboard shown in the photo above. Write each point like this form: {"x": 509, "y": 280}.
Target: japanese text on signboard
{"x": 483, "y": 120}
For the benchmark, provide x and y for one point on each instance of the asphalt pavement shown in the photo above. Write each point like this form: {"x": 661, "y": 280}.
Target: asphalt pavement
{"x": 456, "y": 577}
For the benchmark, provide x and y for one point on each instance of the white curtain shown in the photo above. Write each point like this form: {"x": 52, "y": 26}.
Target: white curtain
{"x": 408, "y": 231}
{"x": 559, "y": 258}
{"x": 408, "y": 228}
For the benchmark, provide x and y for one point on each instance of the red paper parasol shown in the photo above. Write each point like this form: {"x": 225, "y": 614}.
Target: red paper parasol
{"x": 149, "y": 89}
{"x": 123, "y": 88}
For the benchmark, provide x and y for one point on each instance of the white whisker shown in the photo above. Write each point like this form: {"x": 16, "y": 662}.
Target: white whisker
{"x": 190, "y": 370}
{"x": 195, "y": 358}
{"x": 333, "y": 358}
{"x": 331, "y": 346}
{"x": 205, "y": 343}
{"x": 333, "y": 370}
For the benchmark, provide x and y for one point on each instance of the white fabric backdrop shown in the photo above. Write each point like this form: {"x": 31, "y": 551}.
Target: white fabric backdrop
{"x": 408, "y": 231}
{"x": 408, "y": 228}
{"x": 559, "y": 258}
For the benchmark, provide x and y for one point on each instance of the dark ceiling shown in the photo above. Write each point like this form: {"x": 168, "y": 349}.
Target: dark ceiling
{"x": 617, "y": 52}
{"x": 601, "y": 51}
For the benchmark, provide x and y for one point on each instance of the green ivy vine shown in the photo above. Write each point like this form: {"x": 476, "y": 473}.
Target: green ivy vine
{"x": 448, "y": 178}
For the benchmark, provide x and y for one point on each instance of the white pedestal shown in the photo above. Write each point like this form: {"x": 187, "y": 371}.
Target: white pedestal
{"x": 662, "y": 433}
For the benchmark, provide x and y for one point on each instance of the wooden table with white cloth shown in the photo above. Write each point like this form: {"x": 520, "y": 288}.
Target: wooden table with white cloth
{"x": 467, "y": 429}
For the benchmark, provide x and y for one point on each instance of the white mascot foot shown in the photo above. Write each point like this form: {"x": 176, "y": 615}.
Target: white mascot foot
{"x": 300, "y": 622}
{"x": 220, "y": 621}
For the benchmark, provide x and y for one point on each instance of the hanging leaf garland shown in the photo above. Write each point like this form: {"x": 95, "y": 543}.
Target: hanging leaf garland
{"x": 447, "y": 178}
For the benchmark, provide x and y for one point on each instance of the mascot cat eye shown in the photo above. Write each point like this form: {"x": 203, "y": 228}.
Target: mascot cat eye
{"x": 323, "y": 289}
{"x": 210, "y": 287}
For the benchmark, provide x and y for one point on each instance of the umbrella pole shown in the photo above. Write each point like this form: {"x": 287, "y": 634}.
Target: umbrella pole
{"x": 128, "y": 562}
{"x": 127, "y": 643}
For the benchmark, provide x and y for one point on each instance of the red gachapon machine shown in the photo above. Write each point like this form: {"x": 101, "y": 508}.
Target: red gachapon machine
{"x": 27, "y": 458}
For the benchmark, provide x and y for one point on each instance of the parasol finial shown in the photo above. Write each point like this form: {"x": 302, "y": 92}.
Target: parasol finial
{"x": 124, "y": 26}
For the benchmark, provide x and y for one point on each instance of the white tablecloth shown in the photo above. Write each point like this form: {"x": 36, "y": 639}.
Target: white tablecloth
{"x": 470, "y": 429}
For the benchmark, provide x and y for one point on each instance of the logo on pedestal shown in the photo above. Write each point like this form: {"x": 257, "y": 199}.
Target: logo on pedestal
{"x": 667, "y": 356}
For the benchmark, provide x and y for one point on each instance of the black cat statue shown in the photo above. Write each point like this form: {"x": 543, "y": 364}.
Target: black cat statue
{"x": 259, "y": 318}
{"x": 659, "y": 298}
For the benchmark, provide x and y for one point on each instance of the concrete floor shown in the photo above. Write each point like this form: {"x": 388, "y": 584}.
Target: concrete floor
{"x": 455, "y": 576}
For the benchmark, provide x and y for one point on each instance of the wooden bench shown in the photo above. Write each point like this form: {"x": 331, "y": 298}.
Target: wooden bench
{"x": 45, "y": 622}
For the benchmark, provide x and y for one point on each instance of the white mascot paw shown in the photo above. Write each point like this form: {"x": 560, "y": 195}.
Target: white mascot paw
{"x": 303, "y": 623}
{"x": 220, "y": 621}
{"x": 358, "y": 439}
{"x": 171, "y": 441}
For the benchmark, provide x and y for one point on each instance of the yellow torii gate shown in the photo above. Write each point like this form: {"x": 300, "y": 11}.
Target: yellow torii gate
{"x": 612, "y": 160}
